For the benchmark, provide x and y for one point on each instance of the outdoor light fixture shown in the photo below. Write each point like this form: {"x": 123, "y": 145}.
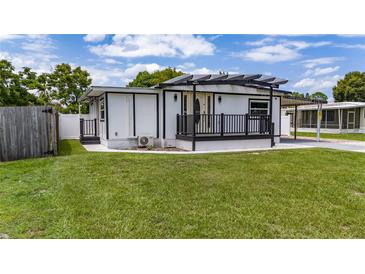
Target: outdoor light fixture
{"x": 175, "y": 97}
{"x": 219, "y": 99}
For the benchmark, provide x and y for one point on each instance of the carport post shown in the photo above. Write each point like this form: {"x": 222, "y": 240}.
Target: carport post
{"x": 319, "y": 119}
{"x": 295, "y": 121}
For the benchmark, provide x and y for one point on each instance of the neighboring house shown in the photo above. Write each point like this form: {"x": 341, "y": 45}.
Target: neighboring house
{"x": 192, "y": 112}
{"x": 342, "y": 117}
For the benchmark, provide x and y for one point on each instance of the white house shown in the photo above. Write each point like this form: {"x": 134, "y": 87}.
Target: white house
{"x": 340, "y": 117}
{"x": 191, "y": 112}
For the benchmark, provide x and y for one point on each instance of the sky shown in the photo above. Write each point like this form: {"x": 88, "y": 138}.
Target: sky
{"x": 310, "y": 62}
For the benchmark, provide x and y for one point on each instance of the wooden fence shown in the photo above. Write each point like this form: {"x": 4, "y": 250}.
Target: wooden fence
{"x": 27, "y": 132}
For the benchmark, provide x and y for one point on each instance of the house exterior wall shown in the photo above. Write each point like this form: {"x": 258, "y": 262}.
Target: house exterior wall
{"x": 153, "y": 113}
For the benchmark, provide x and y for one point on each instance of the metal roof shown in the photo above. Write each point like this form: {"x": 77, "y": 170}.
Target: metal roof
{"x": 338, "y": 105}
{"x": 258, "y": 80}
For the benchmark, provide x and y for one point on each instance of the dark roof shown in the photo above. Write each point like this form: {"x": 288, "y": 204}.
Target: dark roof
{"x": 258, "y": 80}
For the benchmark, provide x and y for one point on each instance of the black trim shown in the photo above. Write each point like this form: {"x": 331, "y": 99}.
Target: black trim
{"x": 181, "y": 102}
{"x": 106, "y": 109}
{"x": 134, "y": 115}
{"x": 163, "y": 114}
{"x": 220, "y": 138}
{"x": 158, "y": 115}
{"x": 144, "y": 93}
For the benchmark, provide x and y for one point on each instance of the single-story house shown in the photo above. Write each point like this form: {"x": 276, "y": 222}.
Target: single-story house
{"x": 191, "y": 112}
{"x": 340, "y": 117}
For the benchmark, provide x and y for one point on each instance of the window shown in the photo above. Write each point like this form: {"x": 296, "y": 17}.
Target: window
{"x": 102, "y": 111}
{"x": 259, "y": 107}
{"x": 330, "y": 115}
{"x": 185, "y": 104}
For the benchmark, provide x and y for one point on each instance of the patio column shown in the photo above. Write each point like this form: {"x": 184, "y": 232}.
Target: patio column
{"x": 194, "y": 98}
{"x": 270, "y": 112}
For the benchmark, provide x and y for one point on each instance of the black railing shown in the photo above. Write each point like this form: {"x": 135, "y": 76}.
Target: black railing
{"x": 222, "y": 124}
{"x": 88, "y": 127}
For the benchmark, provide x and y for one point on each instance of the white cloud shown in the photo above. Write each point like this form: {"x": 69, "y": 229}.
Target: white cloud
{"x": 94, "y": 37}
{"x": 5, "y": 37}
{"x": 272, "y": 50}
{"x": 270, "y": 54}
{"x": 38, "y": 43}
{"x": 322, "y": 71}
{"x": 261, "y": 42}
{"x": 155, "y": 45}
{"x": 311, "y": 63}
{"x": 191, "y": 68}
{"x": 351, "y": 46}
{"x": 111, "y": 61}
{"x": 118, "y": 76}
{"x": 317, "y": 84}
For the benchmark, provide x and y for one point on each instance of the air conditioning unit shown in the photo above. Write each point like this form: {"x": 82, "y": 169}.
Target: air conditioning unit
{"x": 144, "y": 141}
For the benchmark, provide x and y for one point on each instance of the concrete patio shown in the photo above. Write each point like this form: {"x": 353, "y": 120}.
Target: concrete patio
{"x": 286, "y": 143}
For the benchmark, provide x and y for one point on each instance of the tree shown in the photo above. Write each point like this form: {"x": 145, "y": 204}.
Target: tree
{"x": 351, "y": 88}
{"x": 146, "y": 79}
{"x": 319, "y": 96}
{"x": 298, "y": 95}
{"x": 14, "y": 88}
{"x": 66, "y": 85}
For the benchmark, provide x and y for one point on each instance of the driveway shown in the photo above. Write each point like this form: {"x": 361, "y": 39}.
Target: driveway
{"x": 356, "y": 146}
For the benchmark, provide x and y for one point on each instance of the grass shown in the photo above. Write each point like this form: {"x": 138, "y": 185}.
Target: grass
{"x": 308, "y": 193}
{"x": 342, "y": 136}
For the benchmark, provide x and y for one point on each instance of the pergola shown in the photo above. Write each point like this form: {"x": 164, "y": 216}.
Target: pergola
{"x": 248, "y": 80}
{"x": 292, "y": 101}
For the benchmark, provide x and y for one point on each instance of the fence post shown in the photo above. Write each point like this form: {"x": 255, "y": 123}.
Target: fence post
{"x": 81, "y": 127}
{"x": 222, "y": 124}
{"x": 246, "y": 124}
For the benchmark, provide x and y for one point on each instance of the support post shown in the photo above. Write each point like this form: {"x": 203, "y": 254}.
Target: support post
{"x": 246, "y": 124}
{"x": 319, "y": 119}
{"x": 194, "y": 114}
{"x": 222, "y": 124}
{"x": 95, "y": 124}
{"x": 295, "y": 121}
{"x": 339, "y": 120}
{"x": 177, "y": 124}
{"x": 270, "y": 111}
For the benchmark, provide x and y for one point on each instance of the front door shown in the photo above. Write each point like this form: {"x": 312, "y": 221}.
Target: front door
{"x": 351, "y": 119}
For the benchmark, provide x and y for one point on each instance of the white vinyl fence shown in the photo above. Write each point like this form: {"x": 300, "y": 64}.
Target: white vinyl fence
{"x": 69, "y": 125}
{"x": 285, "y": 125}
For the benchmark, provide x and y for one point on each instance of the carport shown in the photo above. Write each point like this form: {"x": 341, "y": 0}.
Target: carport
{"x": 291, "y": 101}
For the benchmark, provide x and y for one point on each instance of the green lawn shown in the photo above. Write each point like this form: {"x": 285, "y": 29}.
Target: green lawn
{"x": 342, "y": 136}
{"x": 308, "y": 193}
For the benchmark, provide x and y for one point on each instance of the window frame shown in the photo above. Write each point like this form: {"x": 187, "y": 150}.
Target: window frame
{"x": 250, "y": 109}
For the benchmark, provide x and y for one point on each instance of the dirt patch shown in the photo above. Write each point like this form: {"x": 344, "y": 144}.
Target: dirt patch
{"x": 4, "y": 236}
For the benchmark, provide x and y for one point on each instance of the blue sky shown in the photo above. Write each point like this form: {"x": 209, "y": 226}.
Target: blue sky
{"x": 309, "y": 62}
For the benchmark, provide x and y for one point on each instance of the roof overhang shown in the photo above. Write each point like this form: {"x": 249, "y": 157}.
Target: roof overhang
{"x": 292, "y": 101}
{"x": 96, "y": 91}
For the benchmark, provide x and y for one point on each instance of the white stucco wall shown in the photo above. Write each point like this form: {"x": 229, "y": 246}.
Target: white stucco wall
{"x": 120, "y": 115}
{"x": 69, "y": 125}
{"x": 285, "y": 125}
{"x": 172, "y": 108}
{"x": 146, "y": 115}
